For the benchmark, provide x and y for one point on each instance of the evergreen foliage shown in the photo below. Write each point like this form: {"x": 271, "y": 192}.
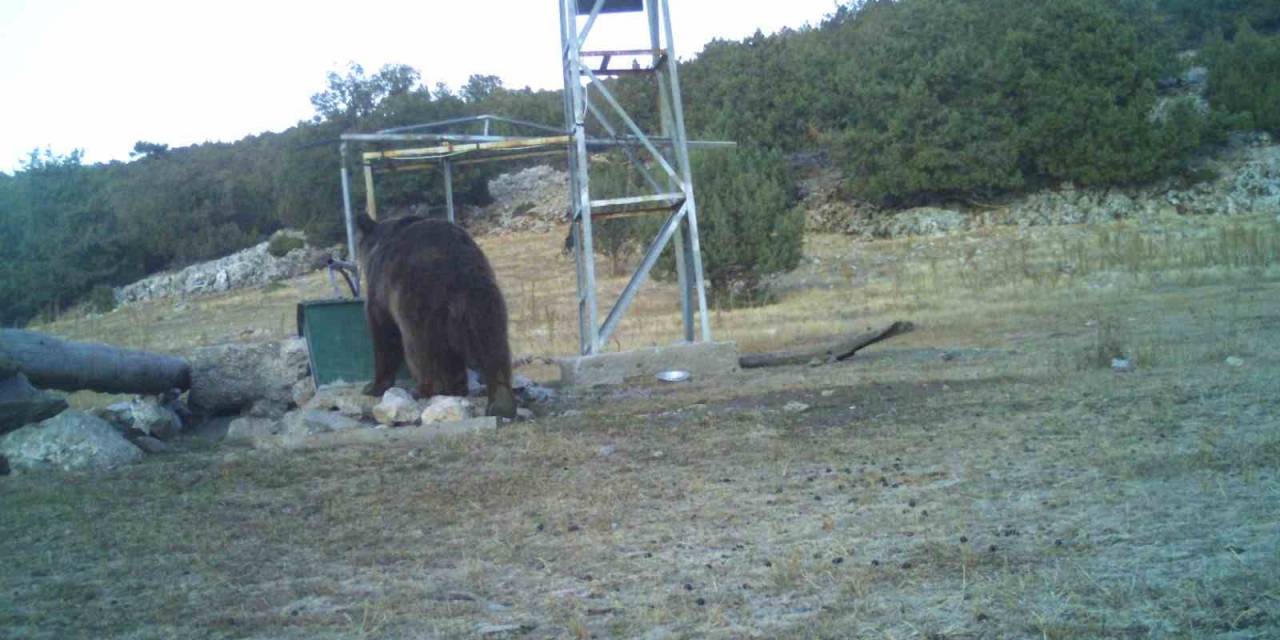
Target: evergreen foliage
{"x": 748, "y": 227}
{"x": 1244, "y": 77}
{"x": 281, "y": 245}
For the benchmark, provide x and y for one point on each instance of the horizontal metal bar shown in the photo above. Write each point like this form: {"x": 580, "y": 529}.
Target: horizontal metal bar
{"x": 643, "y": 71}
{"x": 619, "y": 52}
{"x": 517, "y": 145}
{"x": 661, "y": 197}
{"x": 436, "y": 164}
{"x": 629, "y": 213}
{"x": 423, "y": 137}
{"x": 449, "y": 148}
{"x": 468, "y": 120}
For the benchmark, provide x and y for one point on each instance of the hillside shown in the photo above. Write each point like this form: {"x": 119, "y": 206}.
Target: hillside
{"x": 917, "y": 103}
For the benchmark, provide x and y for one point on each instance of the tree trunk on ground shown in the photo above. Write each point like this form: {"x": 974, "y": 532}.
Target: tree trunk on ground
{"x": 52, "y": 363}
{"x": 834, "y": 351}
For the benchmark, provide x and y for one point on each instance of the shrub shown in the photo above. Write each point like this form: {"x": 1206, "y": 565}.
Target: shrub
{"x": 747, "y": 226}
{"x": 281, "y": 244}
{"x": 1244, "y": 77}
{"x": 102, "y": 298}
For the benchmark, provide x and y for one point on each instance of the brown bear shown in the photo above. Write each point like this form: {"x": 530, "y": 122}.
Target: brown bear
{"x": 432, "y": 301}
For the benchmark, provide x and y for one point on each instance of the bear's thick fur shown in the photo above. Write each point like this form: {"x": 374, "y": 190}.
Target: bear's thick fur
{"x": 432, "y": 301}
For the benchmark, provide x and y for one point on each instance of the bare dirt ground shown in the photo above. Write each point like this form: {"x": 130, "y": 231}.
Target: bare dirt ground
{"x": 988, "y": 476}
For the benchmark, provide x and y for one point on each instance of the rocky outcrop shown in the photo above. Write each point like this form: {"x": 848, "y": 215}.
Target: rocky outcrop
{"x": 1242, "y": 179}
{"x": 251, "y": 267}
{"x": 70, "y": 441}
{"x": 534, "y": 199}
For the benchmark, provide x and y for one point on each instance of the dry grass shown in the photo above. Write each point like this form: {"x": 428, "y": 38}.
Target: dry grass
{"x": 988, "y": 476}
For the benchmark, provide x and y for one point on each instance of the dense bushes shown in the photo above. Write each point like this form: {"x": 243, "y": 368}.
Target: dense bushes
{"x": 747, "y": 225}
{"x": 968, "y": 99}
{"x": 1244, "y": 76}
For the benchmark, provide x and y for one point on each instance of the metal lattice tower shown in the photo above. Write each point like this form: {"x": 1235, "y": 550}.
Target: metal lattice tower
{"x": 672, "y": 188}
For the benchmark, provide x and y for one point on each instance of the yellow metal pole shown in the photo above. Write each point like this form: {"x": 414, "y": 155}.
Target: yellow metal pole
{"x": 370, "y": 202}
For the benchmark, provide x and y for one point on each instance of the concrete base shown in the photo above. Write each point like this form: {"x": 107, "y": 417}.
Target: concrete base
{"x": 700, "y": 359}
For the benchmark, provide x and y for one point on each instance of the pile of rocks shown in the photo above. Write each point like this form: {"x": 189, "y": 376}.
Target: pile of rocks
{"x": 251, "y": 267}
{"x": 342, "y": 408}
{"x": 81, "y": 441}
{"x": 534, "y": 199}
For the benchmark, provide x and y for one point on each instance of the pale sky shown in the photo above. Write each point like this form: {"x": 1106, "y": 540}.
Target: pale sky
{"x": 101, "y": 75}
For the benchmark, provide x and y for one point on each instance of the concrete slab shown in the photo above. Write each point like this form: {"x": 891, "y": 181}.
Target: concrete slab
{"x": 394, "y": 436}
{"x": 700, "y": 359}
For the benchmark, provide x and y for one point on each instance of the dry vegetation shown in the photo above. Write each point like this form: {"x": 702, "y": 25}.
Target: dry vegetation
{"x": 988, "y": 476}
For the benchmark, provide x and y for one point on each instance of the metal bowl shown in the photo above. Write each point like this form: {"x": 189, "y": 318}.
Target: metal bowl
{"x": 673, "y": 375}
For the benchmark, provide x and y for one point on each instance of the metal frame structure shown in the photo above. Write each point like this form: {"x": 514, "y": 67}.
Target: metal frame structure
{"x": 452, "y": 145}
{"x": 672, "y": 193}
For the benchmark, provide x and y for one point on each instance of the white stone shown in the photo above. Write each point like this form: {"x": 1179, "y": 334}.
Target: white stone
{"x": 795, "y": 407}
{"x": 448, "y": 409}
{"x": 1234, "y": 361}
{"x": 397, "y": 407}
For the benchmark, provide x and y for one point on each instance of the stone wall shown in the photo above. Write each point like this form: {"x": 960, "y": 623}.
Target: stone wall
{"x": 251, "y": 267}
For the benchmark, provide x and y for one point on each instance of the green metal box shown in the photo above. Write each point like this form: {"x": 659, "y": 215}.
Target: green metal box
{"x": 338, "y": 341}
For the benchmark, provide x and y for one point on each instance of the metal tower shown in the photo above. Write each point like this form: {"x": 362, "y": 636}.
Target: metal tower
{"x": 672, "y": 188}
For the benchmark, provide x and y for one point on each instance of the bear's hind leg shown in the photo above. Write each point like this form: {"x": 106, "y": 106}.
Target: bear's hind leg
{"x": 388, "y": 351}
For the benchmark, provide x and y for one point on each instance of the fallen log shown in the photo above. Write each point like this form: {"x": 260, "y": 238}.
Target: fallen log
{"x": 830, "y": 352}
{"x": 52, "y": 363}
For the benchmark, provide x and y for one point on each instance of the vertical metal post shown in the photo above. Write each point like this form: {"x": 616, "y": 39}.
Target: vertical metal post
{"x": 682, "y": 156}
{"x": 448, "y": 187}
{"x": 350, "y": 218}
{"x": 682, "y": 255}
{"x": 575, "y": 113}
{"x": 370, "y": 201}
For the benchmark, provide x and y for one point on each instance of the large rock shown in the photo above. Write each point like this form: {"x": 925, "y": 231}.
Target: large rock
{"x": 306, "y": 422}
{"x": 142, "y": 418}
{"x": 347, "y": 399}
{"x": 70, "y": 441}
{"x": 397, "y": 407}
{"x": 448, "y": 409}
{"x": 22, "y": 404}
{"x": 231, "y": 377}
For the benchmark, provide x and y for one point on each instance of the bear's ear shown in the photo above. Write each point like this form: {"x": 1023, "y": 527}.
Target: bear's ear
{"x": 365, "y": 224}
